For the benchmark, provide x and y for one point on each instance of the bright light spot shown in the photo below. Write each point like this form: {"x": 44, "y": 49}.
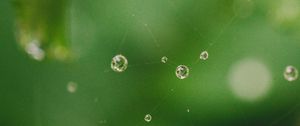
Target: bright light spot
{"x": 72, "y": 87}
{"x": 249, "y": 79}
{"x": 34, "y": 50}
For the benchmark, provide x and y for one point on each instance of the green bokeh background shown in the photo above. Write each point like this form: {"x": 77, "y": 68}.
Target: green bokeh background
{"x": 34, "y": 93}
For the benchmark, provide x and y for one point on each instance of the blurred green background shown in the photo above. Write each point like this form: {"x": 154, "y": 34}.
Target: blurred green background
{"x": 250, "y": 43}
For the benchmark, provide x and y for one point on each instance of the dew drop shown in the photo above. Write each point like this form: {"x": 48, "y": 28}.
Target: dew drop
{"x": 72, "y": 87}
{"x": 290, "y": 73}
{"x": 182, "y": 72}
{"x": 148, "y": 118}
{"x": 119, "y": 63}
{"x": 164, "y": 59}
{"x": 204, "y": 55}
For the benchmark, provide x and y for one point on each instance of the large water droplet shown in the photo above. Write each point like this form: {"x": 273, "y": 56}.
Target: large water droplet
{"x": 148, "y": 118}
{"x": 164, "y": 59}
{"x": 182, "y": 72}
{"x": 290, "y": 73}
{"x": 119, "y": 63}
{"x": 204, "y": 55}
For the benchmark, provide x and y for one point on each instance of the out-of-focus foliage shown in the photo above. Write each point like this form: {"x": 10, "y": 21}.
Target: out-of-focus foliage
{"x": 249, "y": 42}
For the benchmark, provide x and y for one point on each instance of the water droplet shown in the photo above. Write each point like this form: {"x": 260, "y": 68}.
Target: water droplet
{"x": 72, "y": 87}
{"x": 148, "y": 118}
{"x": 164, "y": 59}
{"x": 204, "y": 55}
{"x": 119, "y": 63}
{"x": 34, "y": 50}
{"x": 291, "y": 73}
{"x": 182, "y": 72}
{"x": 188, "y": 110}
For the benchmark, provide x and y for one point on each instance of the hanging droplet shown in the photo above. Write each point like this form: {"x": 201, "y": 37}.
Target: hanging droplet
{"x": 182, "y": 72}
{"x": 290, "y": 73}
{"x": 72, "y": 87}
{"x": 148, "y": 118}
{"x": 119, "y": 63}
{"x": 204, "y": 55}
{"x": 164, "y": 59}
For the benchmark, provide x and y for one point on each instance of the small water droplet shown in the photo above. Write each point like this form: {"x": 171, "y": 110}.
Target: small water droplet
{"x": 72, "y": 87}
{"x": 291, "y": 73}
{"x": 148, "y": 118}
{"x": 119, "y": 63}
{"x": 164, "y": 59}
{"x": 182, "y": 72}
{"x": 204, "y": 55}
{"x": 188, "y": 110}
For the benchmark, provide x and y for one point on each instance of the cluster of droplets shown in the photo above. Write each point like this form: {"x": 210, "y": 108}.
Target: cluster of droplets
{"x": 119, "y": 63}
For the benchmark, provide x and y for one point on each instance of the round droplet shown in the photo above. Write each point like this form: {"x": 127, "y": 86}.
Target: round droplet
{"x": 164, "y": 59}
{"x": 182, "y": 72}
{"x": 119, "y": 63}
{"x": 204, "y": 55}
{"x": 291, "y": 73}
{"x": 72, "y": 87}
{"x": 148, "y": 118}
